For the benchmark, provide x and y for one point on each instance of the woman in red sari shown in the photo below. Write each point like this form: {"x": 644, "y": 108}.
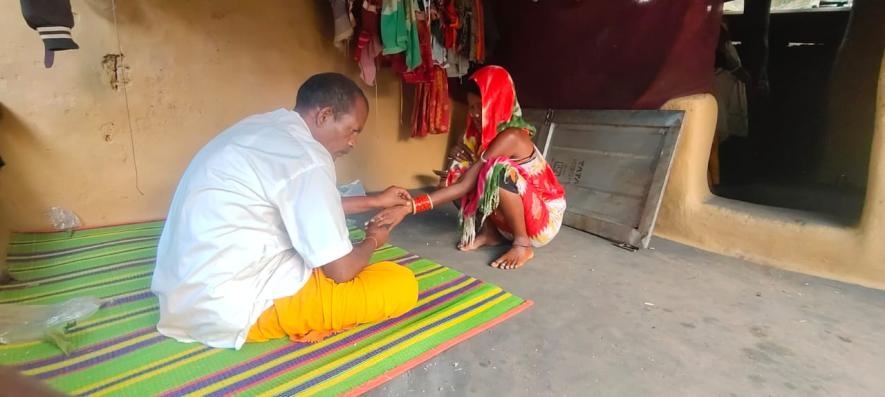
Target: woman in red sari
{"x": 499, "y": 176}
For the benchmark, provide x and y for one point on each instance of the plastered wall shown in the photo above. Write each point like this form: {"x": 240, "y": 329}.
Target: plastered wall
{"x": 792, "y": 240}
{"x": 190, "y": 69}
{"x": 795, "y": 240}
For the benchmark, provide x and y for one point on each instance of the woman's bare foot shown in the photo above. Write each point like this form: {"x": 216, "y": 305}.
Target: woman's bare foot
{"x": 487, "y": 236}
{"x": 517, "y": 256}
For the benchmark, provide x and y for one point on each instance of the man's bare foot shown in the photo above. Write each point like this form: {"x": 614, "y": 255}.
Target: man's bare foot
{"x": 515, "y": 258}
{"x": 487, "y": 236}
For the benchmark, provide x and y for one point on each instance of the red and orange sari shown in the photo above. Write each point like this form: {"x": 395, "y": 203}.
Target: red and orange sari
{"x": 543, "y": 197}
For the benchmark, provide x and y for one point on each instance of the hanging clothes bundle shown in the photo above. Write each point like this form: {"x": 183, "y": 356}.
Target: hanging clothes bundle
{"x": 368, "y": 43}
{"x": 424, "y": 41}
{"x": 432, "y": 108}
{"x": 344, "y": 22}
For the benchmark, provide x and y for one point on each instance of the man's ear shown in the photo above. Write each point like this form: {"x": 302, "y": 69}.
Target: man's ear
{"x": 324, "y": 115}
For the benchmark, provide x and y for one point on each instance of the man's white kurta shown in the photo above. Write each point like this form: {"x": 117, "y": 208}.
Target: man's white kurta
{"x": 256, "y": 210}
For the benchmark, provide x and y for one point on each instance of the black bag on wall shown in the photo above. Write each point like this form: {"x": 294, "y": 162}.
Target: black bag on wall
{"x": 53, "y": 20}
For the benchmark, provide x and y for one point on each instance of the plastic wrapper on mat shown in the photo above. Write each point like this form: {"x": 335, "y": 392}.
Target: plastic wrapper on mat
{"x": 63, "y": 219}
{"x": 27, "y": 323}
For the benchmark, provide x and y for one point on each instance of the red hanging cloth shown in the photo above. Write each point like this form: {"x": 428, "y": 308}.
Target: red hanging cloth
{"x": 431, "y": 112}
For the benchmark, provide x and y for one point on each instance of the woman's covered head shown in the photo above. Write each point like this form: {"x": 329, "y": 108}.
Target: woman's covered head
{"x": 490, "y": 104}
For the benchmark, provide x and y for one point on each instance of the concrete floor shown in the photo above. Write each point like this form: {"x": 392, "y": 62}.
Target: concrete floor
{"x": 673, "y": 321}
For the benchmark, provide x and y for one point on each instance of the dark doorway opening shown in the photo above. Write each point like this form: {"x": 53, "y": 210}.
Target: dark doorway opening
{"x": 774, "y": 156}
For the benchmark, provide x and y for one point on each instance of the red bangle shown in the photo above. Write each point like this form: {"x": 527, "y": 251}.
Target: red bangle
{"x": 422, "y": 203}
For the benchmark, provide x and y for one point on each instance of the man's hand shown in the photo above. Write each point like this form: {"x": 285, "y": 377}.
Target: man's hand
{"x": 380, "y": 232}
{"x": 393, "y": 196}
{"x": 391, "y": 217}
{"x": 346, "y": 268}
{"x": 390, "y": 197}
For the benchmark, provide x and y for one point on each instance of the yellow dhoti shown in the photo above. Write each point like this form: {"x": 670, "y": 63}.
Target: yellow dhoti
{"x": 323, "y": 307}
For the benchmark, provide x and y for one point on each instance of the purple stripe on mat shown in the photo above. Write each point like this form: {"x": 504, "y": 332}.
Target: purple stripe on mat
{"x": 402, "y": 259}
{"x": 116, "y": 318}
{"x": 57, "y": 253}
{"x": 100, "y": 359}
{"x": 57, "y": 359}
{"x": 202, "y": 350}
{"x": 441, "y": 287}
{"x": 124, "y": 299}
{"x": 428, "y": 271}
{"x": 133, "y": 277}
{"x": 135, "y": 227}
{"x": 75, "y": 274}
{"x": 212, "y": 379}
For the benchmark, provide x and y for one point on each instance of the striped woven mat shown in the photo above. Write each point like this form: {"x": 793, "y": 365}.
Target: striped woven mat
{"x": 119, "y": 352}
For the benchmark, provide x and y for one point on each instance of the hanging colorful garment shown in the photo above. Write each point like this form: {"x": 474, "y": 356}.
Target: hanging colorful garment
{"x": 368, "y": 43}
{"x": 413, "y": 51}
{"x": 441, "y": 109}
{"x": 459, "y": 54}
{"x": 440, "y": 54}
{"x": 424, "y": 72}
{"x": 432, "y": 113}
{"x": 458, "y": 65}
{"x": 542, "y": 196}
{"x": 452, "y": 22}
{"x": 368, "y": 67}
{"x": 420, "y": 123}
{"x": 343, "y": 22}
{"x": 396, "y": 62}
{"x": 477, "y": 45}
{"x": 436, "y": 33}
{"x": 394, "y": 34}
{"x": 398, "y": 33}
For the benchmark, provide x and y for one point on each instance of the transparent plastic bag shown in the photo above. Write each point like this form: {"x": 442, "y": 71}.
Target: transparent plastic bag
{"x": 63, "y": 219}
{"x": 353, "y": 189}
{"x": 26, "y": 323}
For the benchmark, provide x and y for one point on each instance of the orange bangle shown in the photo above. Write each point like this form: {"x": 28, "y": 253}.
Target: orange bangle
{"x": 374, "y": 240}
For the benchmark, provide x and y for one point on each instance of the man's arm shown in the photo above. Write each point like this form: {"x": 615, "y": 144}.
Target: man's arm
{"x": 359, "y": 204}
{"x": 390, "y": 197}
{"x": 346, "y": 268}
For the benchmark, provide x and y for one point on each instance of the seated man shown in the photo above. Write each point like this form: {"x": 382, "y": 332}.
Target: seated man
{"x": 256, "y": 246}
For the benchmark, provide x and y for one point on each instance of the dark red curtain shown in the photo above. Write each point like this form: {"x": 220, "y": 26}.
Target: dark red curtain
{"x": 607, "y": 54}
